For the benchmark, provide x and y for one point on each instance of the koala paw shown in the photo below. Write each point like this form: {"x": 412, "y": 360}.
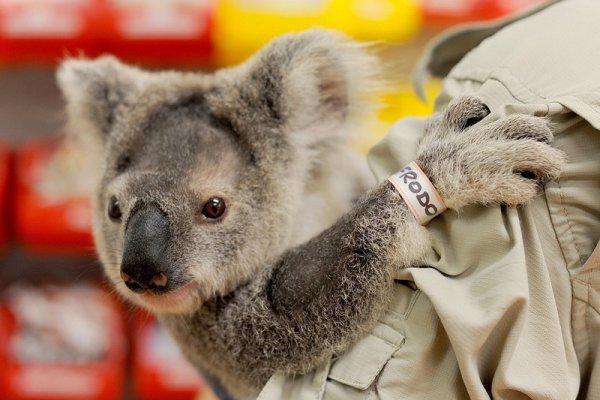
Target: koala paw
{"x": 500, "y": 162}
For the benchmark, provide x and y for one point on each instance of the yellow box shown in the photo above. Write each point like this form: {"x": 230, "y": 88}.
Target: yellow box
{"x": 243, "y": 26}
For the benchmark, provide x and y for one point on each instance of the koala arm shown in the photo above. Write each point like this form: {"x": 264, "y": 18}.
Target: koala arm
{"x": 318, "y": 298}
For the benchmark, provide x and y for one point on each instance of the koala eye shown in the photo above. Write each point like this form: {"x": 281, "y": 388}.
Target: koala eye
{"x": 114, "y": 209}
{"x": 213, "y": 208}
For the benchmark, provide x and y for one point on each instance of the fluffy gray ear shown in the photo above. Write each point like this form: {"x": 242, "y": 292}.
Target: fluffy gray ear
{"x": 315, "y": 82}
{"x": 93, "y": 90}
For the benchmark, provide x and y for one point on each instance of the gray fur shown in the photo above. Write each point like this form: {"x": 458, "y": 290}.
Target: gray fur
{"x": 254, "y": 298}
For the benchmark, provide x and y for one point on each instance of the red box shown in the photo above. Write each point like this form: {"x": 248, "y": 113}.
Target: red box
{"x": 448, "y": 12}
{"x": 43, "y": 32}
{"x": 159, "y": 370}
{"x": 175, "y": 32}
{"x": 101, "y": 379}
{"x": 43, "y": 224}
{"x": 164, "y": 33}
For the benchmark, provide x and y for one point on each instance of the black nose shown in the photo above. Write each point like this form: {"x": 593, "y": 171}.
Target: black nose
{"x": 145, "y": 259}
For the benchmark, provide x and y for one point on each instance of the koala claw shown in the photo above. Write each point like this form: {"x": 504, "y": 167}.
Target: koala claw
{"x": 521, "y": 168}
{"x": 521, "y": 127}
{"x": 500, "y": 162}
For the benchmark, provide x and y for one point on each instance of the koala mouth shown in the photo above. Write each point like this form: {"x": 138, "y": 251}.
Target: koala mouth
{"x": 177, "y": 301}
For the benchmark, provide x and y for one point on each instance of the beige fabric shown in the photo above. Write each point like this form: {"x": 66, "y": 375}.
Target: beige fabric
{"x": 508, "y": 306}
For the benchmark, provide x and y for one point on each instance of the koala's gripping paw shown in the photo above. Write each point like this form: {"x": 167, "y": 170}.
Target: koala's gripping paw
{"x": 500, "y": 162}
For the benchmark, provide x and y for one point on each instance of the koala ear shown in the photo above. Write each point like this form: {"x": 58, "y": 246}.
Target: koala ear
{"x": 313, "y": 83}
{"x": 93, "y": 90}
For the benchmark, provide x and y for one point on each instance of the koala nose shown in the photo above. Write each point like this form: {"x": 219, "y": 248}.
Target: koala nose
{"x": 158, "y": 281}
{"x": 145, "y": 261}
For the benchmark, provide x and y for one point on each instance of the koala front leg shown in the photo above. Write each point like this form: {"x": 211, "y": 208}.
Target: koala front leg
{"x": 322, "y": 296}
{"x": 318, "y": 298}
{"x": 313, "y": 301}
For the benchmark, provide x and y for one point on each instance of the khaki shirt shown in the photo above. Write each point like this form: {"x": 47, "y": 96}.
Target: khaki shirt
{"x": 508, "y": 306}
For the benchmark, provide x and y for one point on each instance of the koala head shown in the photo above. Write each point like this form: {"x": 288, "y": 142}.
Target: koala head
{"x": 198, "y": 174}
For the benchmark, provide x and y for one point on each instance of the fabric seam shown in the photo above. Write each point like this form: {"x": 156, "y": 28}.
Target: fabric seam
{"x": 406, "y": 314}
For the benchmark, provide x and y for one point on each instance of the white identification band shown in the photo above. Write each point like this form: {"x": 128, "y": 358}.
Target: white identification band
{"x": 418, "y": 192}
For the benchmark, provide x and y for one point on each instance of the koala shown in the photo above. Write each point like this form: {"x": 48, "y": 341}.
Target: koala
{"x": 205, "y": 212}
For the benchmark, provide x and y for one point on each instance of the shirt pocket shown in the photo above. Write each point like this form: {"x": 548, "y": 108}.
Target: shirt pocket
{"x": 360, "y": 366}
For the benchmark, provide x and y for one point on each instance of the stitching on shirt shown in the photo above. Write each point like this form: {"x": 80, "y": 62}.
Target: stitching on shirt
{"x": 562, "y": 250}
{"x": 569, "y": 222}
{"x": 491, "y": 75}
{"x": 583, "y": 103}
{"x": 491, "y": 78}
{"x": 586, "y": 299}
{"x": 588, "y": 329}
{"x": 411, "y": 305}
{"x": 508, "y": 71}
{"x": 321, "y": 393}
{"x": 372, "y": 395}
{"x": 406, "y": 314}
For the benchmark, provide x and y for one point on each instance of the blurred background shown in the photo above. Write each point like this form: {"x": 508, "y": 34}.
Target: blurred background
{"x": 63, "y": 333}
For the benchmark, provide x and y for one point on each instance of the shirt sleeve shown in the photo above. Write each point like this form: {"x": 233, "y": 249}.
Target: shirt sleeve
{"x": 498, "y": 285}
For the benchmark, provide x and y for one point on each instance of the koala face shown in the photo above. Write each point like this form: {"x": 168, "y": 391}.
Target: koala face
{"x": 178, "y": 203}
{"x": 199, "y": 174}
